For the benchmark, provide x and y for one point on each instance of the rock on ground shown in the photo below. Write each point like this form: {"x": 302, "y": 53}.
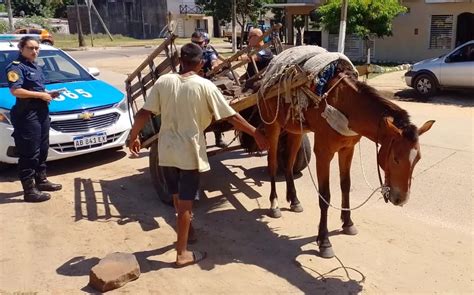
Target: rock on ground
{"x": 114, "y": 271}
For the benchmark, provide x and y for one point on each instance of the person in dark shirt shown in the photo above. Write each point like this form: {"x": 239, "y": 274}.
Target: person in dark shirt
{"x": 30, "y": 119}
{"x": 263, "y": 56}
{"x": 210, "y": 60}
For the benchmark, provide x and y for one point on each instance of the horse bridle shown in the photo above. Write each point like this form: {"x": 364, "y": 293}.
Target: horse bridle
{"x": 385, "y": 190}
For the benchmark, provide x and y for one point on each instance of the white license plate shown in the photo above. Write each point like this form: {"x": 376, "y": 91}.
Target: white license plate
{"x": 87, "y": 140}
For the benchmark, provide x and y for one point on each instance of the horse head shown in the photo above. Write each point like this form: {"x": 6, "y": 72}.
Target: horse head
{"x": 398, "y": 155}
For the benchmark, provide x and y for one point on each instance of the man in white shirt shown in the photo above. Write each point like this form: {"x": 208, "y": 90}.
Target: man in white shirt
{"x": 187, "y": 104}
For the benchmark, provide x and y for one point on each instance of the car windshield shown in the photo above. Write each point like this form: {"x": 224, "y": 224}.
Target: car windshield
{"x": 57, "y": 67}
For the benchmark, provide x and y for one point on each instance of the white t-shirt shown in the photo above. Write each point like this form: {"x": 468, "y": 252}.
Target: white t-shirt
{"x": 187, "y": 106}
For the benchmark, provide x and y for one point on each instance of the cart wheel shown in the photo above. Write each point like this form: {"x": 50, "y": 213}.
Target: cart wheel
{"x": 302, "y": 158}
{"x": 157, "y": 176}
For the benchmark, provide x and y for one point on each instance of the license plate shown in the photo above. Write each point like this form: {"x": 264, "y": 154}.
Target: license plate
{"x": 88, "y": 140}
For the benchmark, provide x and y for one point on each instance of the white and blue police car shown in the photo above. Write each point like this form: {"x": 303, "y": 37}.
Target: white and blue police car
{"x": 89, "y": 115}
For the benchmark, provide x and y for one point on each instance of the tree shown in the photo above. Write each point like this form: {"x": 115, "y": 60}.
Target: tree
{"x": 246, "y": 10}
{"x": 31, "y": 7}
{"x": 365, "y": 18}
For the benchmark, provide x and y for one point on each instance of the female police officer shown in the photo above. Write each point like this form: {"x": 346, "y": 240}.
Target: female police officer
{"x": 30, "y": 119}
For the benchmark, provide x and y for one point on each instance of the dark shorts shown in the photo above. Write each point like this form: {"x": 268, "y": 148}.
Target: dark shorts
{"x": 185, "y": 183}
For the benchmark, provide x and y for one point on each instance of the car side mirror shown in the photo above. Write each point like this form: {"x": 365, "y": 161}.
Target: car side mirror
{"x": 94, "y": 71}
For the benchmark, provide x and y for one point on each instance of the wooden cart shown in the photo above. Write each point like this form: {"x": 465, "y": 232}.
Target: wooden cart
{"x": 165, "y": 59}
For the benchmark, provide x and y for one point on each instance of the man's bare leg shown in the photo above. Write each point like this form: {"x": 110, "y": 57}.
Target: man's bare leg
{"x": 191, "y": 236}
{"x": 184, "y": 221}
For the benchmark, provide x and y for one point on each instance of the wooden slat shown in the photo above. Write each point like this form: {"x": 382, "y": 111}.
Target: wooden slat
{"x": 151, "y": 57}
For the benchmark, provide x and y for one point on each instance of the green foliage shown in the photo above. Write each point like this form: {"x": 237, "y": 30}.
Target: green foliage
{"x": 2, "y": 8}
{"x": 365, "y": 18}
{"x": 32, "y": 7}
{"x": 59, "y": 7}
{"x": 34, "y": 21}
{"x": 4, "y": 27}
{"x": 222, "y": 9}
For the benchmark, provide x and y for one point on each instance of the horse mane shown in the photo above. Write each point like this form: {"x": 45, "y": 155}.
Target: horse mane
{"x": 401, "y": 119}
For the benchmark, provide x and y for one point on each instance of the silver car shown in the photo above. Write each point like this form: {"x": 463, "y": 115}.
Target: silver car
{"x": 453, "y": 70}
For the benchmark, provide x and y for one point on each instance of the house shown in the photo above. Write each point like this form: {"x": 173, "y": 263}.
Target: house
{"x": 429, "y": 28}
{"x": 187, "y": 17}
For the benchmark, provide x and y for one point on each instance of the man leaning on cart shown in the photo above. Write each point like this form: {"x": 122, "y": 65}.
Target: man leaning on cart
{"x": 187, "y": 104}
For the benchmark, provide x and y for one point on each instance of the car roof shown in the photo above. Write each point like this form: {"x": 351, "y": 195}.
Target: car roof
{"x": 7, "y": 46}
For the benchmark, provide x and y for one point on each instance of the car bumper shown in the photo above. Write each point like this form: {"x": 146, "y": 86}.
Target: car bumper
{"x": 61, "y": 144}
{"x": 409, "y": 77}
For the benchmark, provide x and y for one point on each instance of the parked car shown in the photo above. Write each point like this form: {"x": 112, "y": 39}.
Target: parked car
{"x": 90, "y": 115}
{"x": 453, "y": 70}
{"x": 44, "y": 36}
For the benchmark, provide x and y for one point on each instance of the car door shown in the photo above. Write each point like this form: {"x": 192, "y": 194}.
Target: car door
{"x": 457, "y": 70}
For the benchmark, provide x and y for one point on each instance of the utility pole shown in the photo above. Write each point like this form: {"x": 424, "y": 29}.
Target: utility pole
{"x": 342, "y": 27}
{"x": 10, "y": 14}
{"x": 80, "y": 36}
{"x": 89, "y": 3}
{"x": 234, "y": 32}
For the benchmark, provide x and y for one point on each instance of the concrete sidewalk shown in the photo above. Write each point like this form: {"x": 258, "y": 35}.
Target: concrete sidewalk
{"x": 389, "y": 83}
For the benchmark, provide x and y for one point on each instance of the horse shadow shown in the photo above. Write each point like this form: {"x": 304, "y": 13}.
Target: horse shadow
{"x": 234, "y": 235}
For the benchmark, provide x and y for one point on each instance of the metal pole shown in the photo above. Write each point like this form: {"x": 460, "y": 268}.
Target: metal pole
{"x": 90, "y": 21}
{"x": 101, "y": 21}
{"x": 10, "y": 14}
{"x": 234, "y": 32}
{"x": 80, "y": 36}
{"x": 342, "y": 27}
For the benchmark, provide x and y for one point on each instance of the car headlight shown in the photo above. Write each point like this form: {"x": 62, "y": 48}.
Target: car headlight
{"x": 5, "y": 117}
{"x": 123, "y": 105}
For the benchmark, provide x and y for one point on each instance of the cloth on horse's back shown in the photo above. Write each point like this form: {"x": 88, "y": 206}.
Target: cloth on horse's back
{"x": 313, "y": 59}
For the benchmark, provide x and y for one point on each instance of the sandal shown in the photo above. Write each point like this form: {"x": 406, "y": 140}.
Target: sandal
{"x": 197, "y": 257}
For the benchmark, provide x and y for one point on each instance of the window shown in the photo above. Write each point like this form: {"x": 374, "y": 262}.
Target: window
{"x": 441, "y": 31}
{"x": 463, "y": 54}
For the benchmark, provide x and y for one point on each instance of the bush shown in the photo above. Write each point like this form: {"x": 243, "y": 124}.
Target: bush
{"x": 4, "y": 27}
{"x": 34, "y": 21}
{"x": 2, "y": 8}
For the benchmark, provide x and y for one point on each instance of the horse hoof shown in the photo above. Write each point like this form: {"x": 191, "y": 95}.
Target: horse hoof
{"x": 275, "y": 213}
{"x": 350, "y": 230}
{"x": 326, "y": 252}
{"x": 296, "y": 208}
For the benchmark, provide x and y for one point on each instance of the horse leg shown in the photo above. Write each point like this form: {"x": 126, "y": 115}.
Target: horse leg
{"x": 293, "y": 145}
{"x": 272, "y": 132}
{"x": 323, "y": 161}
{"x": 345, "y": 161}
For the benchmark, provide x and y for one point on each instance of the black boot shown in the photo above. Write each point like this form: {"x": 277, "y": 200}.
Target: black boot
{"x": 32, "y": 194}
{"x": 219, "y": 142}
{"x": 43, "y": 184}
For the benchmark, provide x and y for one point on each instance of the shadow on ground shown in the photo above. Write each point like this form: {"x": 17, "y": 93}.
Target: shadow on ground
{"x": 461, "y": 98}
{"x": 234, "y": 235}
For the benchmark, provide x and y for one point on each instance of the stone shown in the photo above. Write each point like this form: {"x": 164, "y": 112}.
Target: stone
{"x": 114, "y": 271}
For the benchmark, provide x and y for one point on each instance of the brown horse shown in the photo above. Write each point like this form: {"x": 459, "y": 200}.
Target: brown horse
{"x": 369, "y": 115}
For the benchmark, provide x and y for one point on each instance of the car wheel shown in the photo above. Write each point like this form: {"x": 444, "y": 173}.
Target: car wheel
{"x": 46, "y": 42}
{"x": 425, "y": 85}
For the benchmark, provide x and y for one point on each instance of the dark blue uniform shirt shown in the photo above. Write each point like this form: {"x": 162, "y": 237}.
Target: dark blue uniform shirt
{"x": 22, "y": 73}
{"x": 208, "y": 55}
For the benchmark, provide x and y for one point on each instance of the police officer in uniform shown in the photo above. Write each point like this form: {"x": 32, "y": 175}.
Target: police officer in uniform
{"x": 211, "y": 60}
{"x": 30, "y": 119}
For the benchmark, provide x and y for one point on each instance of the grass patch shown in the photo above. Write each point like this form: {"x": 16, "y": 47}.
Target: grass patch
{"x": 102, "y": 40}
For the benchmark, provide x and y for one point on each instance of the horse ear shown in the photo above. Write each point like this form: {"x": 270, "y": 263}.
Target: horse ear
{"x": 390, "y": 127}
{"x": 425, "y": 127}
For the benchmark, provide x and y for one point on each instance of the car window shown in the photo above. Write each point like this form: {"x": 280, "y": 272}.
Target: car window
{"x": 463, "y": 54}
{"x": 22, "y": 31}
{"x": 57, "y": 67}
{"x": 35, "y": 31}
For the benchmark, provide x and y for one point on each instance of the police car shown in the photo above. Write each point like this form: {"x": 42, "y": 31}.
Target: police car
{"x": 89, "y": 115}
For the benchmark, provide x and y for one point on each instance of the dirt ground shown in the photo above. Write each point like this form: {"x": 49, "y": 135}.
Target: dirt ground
{"x": 108, "y": 205}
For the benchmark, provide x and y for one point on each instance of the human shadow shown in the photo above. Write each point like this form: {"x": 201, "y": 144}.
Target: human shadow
{"x": 132, "y": 197}
{"x": 8, "y": 198}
